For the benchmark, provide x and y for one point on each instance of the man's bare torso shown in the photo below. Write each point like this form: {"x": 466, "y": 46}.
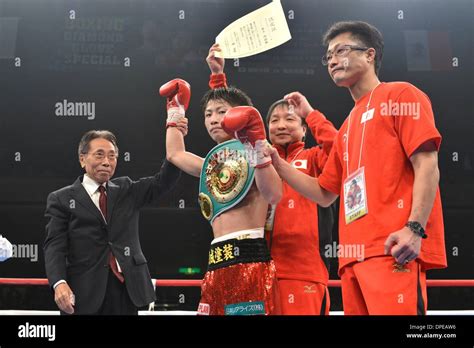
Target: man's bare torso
{"x": 250, "y": 213}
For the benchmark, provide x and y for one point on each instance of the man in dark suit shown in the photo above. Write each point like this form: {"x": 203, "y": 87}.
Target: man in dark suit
{"x": 93, "y": 256}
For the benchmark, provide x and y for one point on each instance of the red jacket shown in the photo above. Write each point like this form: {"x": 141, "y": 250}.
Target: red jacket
{"x": 298, "y": 234}
{"x": 295, "y": 245}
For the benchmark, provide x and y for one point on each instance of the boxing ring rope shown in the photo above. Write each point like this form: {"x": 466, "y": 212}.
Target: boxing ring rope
{"x": 196, "y": 282}
{"x": 335, "y": 283}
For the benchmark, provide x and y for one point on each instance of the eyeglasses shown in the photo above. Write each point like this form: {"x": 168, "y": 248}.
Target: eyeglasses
{"x": 99, "y": 155}
{"x": 341, "y": 51}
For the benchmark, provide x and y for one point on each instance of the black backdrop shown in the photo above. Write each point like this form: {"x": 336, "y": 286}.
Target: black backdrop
{"x": 116, "y": 54}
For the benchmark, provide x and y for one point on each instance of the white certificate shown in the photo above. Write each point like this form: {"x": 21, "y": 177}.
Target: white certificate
{"x": 254, "y": 33}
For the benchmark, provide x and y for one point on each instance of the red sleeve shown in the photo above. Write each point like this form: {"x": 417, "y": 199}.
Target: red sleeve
{"x": 324, "y": 133}
{"x": 217, "y": 80}
{"x": 414, "y": 121}
{"x": 331, "y": 177}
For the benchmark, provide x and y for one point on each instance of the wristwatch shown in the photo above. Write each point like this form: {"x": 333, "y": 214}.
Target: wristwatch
{"x": 416, "y": 228}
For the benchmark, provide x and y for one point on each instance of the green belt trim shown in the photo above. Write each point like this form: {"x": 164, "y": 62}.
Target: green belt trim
{"x": 226, "y": 178}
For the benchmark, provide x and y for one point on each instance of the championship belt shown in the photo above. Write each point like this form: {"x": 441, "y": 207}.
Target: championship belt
{"x": 226, "y": 177}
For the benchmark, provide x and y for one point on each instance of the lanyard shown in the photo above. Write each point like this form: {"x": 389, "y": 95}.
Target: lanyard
{"x": 363, "y": 133}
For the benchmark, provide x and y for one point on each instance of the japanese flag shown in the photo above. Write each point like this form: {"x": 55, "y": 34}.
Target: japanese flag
{"x": 300, "y": 164}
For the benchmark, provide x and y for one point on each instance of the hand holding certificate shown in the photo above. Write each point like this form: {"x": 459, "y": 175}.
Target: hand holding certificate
{"x": 254, "y": 33}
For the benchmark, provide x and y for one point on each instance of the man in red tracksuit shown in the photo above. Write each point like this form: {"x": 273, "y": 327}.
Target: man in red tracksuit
{"x": 297, "y": 228}
{"x": 384, "y": 167}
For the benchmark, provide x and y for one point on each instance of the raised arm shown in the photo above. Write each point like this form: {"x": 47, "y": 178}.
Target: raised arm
{"x": 321, "y": 128}
{"x": 247, "y": 125}
{"x": 306, "y": 185}
{"x": 269, "y": 184}
{"x": 178, "y": 94}
{"x": 216, "y": 65}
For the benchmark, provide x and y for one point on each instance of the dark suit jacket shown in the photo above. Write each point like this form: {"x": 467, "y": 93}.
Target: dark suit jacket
{"x": 78, "y": 240}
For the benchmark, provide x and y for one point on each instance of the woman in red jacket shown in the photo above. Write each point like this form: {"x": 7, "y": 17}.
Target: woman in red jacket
{"x": 300, "y": 230}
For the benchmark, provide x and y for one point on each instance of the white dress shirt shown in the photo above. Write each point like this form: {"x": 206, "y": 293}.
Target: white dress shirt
{"x": 92, "y": 189}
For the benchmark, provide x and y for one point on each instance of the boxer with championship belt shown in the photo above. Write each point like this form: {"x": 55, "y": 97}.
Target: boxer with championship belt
{"x": 226, "y": 177}
{"x": 237, "y": 183}
{"x": 297, "y": 229}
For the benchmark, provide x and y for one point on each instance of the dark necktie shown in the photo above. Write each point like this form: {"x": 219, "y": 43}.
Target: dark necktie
{"x": 103, "y": 209}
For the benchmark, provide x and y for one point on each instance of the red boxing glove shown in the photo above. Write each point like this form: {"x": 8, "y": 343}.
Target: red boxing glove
{"x": 246, "y": 124}
{"x": 178, "y": 94}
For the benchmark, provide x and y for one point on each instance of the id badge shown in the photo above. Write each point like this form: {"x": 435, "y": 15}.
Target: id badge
{"x": 355, "y": 196}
